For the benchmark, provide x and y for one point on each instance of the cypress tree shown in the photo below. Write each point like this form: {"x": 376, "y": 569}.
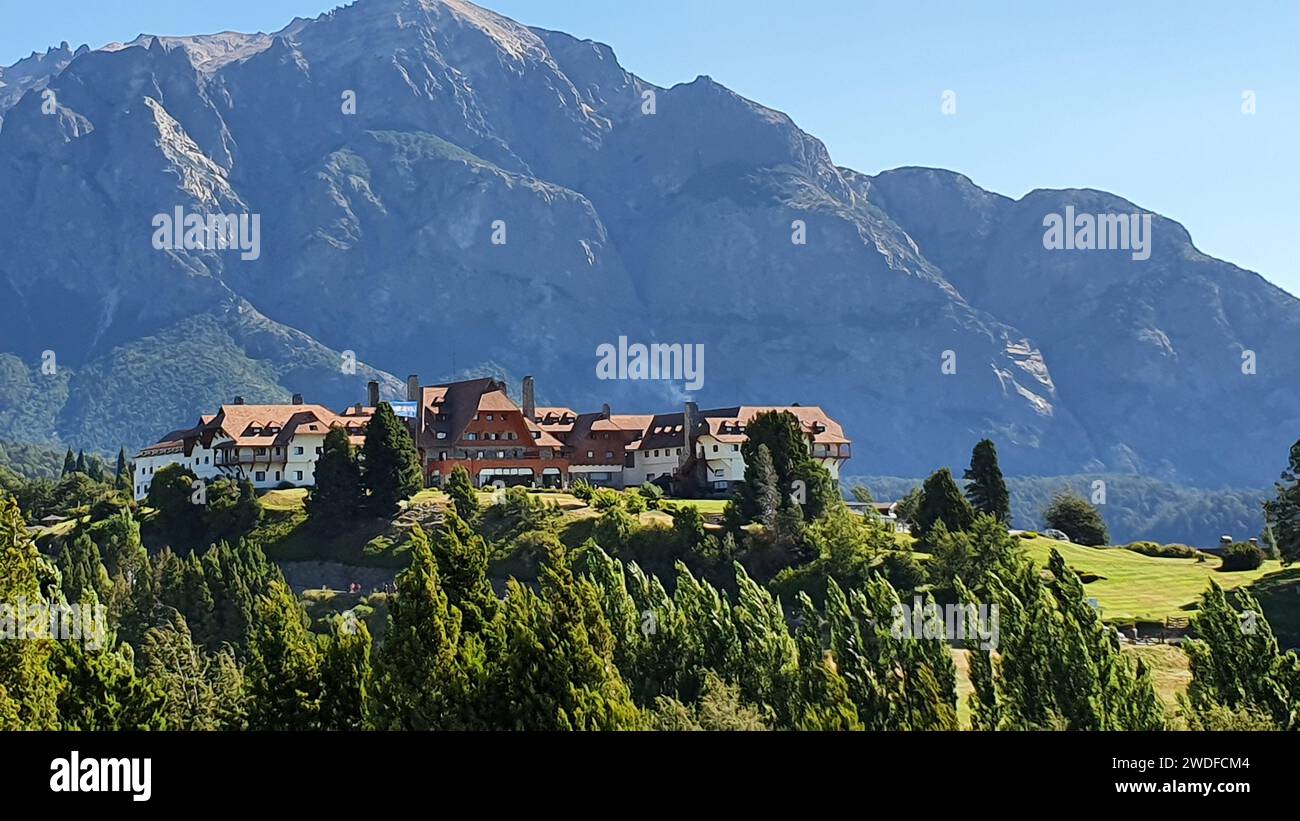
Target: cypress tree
{"x": 941, "y": 501}
{"x": 338, "y": 496}
{"x": 345, "y": 675}
{"x": 463, "y": 496}
{"x": 767, "y": 496}
{"x": 390, "y": 468}
{"x": 283, "y": 665}
{"x": 80, "y": 465}
{"x": 985, "y": 488}
{"x": 421, "y": 678}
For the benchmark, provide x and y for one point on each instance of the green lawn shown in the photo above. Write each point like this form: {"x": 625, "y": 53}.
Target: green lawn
{"x": 1131, "y": 587}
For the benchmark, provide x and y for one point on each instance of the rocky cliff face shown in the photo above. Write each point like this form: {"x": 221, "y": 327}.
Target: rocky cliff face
{"x": 439, "y": 187}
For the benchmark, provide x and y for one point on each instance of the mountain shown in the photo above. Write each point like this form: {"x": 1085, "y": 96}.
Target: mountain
{"x": 440, "y": 188}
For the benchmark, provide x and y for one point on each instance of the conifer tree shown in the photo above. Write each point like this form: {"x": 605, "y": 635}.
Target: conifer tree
{"x": 422, "y": 674}
{"x": 941, "y": 501}
{"x": 1236, "y": 662}
{"x": 283, "y": 665}
{"x": 390, "y": 468}
{"x": 69, "y": 463}
{"x": 338, "y": 496}
{"x": 122, "y": 474}
{"x": 986, "y": 489}
{"x": 100, "y": 689}
{"x": 196, "y": 695}
{"x": 345, "y": 675}
{"x": 462, "y": 558}
{"x": 557, "y": 672}
{"x": 767, "y": 496}
{"x": 463, "y": 496}
{"x": 82, "y": 571}
{"x": 80, "y": 465}
{"x": 28, "y": 687}
{"x": 1282, "y": 512}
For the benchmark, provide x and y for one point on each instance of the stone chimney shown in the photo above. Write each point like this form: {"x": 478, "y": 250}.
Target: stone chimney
{"x": 415, "y": 394}
{"x": 605, "y": 411}
{"x": 372, "y": 394}
{"x": 530, "y": 399}
{"x": 239, "y": 400}
{"x": 689, "y": 420}
{"x": 297, "y": 399}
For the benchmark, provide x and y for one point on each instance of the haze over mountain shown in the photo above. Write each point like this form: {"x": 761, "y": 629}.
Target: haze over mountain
{"x": 661, "y": 215}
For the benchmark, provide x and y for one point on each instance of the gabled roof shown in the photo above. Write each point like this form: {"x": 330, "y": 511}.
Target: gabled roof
{"x": 460, "y": 402}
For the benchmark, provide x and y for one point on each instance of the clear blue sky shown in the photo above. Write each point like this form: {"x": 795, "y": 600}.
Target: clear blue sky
{"x": 1139, "y": 98}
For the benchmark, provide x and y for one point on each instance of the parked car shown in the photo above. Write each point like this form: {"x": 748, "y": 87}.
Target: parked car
{"x": 1053, "y": 533}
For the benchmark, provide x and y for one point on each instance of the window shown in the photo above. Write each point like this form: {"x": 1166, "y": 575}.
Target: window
{"x": 735, "y": 448}
{"x": 609, "y": 454}
{"x": 489, "y": 417}
{"x": 297, "y": 474}
{"x": 715, "y": 448}
{"x": 277, "y": 451}
{"x": 591, "y": 455}
{"x": 656, "y": 453}
{"x": 260, "y": 476}
{"x": 679, "y": 451}
{"x": 205, "y": 460}
{"x": 261, "y": 451}
{"x": 319, "y": 451}
{"x": 297, "y": 452}
{"x": 277, "y": 476}
{"x": 471, "y": 437}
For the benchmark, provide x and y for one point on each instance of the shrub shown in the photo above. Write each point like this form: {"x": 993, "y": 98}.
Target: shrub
{"x": 1242, "y": 556}
{"x": 1163, "y": 551}
{"x": 652, "y": 494}
{"x": 582, "y": 490}
{"x": 1028, "y": 534}
{"x": 604, "y": 499}
{"x": 635, "y": 503}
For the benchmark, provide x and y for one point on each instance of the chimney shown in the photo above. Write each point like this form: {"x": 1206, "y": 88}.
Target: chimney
{"x": 372, "y": 394}
{"x": 297, "y": 399}
{"x": 530, "y": 400}
{"x": 605, "y": 411}
{"x": 239, "y": 400}
{"x": 416, "y": 395}
{"x": 358, "y": 408}
{"x": 689, "y": 420}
